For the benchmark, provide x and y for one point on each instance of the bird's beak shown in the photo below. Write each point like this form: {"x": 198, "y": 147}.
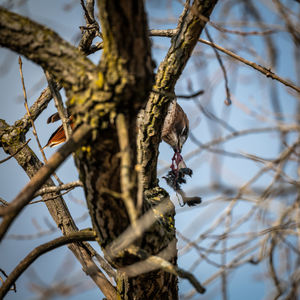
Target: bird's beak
{"x": 180, "y": 142}
{"x": 177, "y": 149}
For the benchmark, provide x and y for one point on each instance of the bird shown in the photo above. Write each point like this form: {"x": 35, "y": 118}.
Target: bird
{"x": 175, "y": 132}
{"x": 58, "y": 136}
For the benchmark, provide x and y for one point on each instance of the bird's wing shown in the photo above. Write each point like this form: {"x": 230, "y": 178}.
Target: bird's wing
{"x": 56, "y": 138}
{"x": 169, "y": 120}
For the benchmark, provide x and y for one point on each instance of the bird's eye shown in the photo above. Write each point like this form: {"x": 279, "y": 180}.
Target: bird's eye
{"x": 184, "y": 131}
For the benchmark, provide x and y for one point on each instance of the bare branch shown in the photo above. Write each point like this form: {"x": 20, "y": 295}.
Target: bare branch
{"x": 31, "y": 120}
{"x": 16, "y": 152}
{"x": 40, "y": 45}
{"x": 10, "y": 212}
{"x": 132, "y": 233}
{"x": 193, "y": 95}
{"x": 91, "y": 30}
{"x": 57, "y": 207}
{"x": 183, "y": 43}
{"x": 40, "y": 250}
{"x": 13, "y": 288}
{"x": 62, "y": 187}
{"x": 160, "y": 261}
{"x": 255, "y": 66}
{"x": 62, "y": 111}
{"x": 28, "y": 112}
{"x": 37, "y": 107}
{"x": 261, "y": 69}
{"x": 228, "y": 97}
{"x": 126, "y": 167}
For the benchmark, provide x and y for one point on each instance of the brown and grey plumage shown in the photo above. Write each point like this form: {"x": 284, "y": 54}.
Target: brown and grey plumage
{"x": 175, "y": 132}
{"x": 176, "y": 127}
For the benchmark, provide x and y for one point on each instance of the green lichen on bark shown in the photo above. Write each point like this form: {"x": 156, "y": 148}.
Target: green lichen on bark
{"x": 121, "y": 83}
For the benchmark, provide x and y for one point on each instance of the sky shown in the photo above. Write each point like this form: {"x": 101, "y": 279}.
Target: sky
{"x": 250, "y": 96}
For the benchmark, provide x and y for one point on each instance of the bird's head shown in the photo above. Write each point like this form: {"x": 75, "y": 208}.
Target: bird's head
{"x": 182, "y": 132}
{"x": 176, "y": 127}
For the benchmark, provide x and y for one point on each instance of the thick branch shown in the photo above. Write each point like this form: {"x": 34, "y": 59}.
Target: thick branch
{"x": 183, "y": 43}
{"x": 44, "y": 47}
{"x": 12, "y": 138}
{"x": 40, "y": 177}
{"x": 42, "y": 249}
{"x": 53, "y": 189}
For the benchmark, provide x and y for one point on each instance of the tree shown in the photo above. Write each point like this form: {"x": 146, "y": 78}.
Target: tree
{"x": 132, "y": 216}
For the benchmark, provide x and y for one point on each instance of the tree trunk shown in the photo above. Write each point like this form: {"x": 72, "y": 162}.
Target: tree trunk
{"x": 108, "y": 98}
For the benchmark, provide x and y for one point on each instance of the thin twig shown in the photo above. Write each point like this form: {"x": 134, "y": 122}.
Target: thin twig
{"x": 163, "y": 32}
{"x": 293, "y": 30}
{"x": 125, "y": 167}
{"x": 193, "y": 95}
{"x": 54, "y": 189}
{"x": 37, "y": 108}
{"x": 267, "y": 72}
{"x": 88, "y": 11}
{"x": 13, "y": 288}
{"x": 58, "y": 195}
{"x": 228, "y": 97}
{"x": 28, "y": 112}
{"x": 213, "y": 117}
{"x": 183, "y": 14}
{"x": 62, "y": 111}
{"x": 10, "y": 212}
{"x": 17, "y": 151}
{"x": 255, "y": 66}
{"x": 238, "y": 32}
{"x": 160, "y": 261}
{"x": 31, "y": 120}
{"x": 138, "y": 167}
{"x": 4, "y": 202}
{"x": 40, "y": 250}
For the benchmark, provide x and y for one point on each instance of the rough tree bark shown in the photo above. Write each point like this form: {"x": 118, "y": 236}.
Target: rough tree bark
{"x": 108, "y": 98}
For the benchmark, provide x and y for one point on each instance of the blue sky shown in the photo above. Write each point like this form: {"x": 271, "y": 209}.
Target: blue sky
{"x": 251, "y": 102}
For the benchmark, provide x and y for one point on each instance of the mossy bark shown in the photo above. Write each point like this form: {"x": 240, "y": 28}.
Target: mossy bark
{"x": 121, "y": 83}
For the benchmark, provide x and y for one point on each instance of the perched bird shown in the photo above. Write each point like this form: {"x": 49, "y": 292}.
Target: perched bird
{"x": 58, "y": 136}
{"x": 175, "y": 131}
